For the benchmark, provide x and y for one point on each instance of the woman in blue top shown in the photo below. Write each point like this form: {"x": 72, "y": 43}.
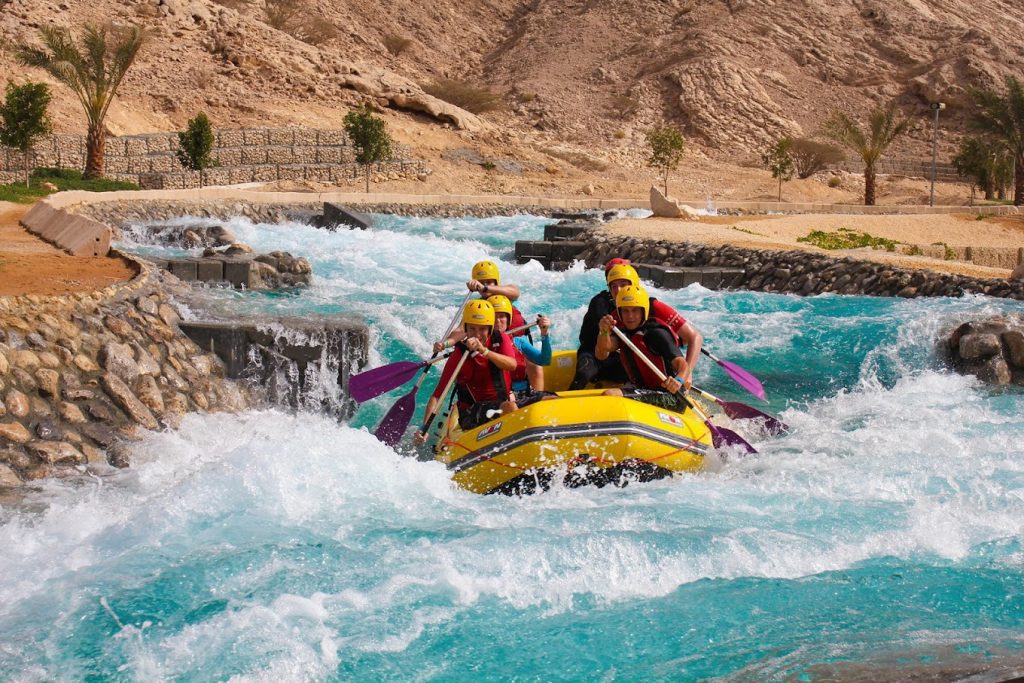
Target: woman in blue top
{"x": 529, "y": 373}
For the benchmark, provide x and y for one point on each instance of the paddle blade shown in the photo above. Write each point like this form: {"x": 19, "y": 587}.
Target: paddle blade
{"x": 373, "y": 383}
{"x": 741, "y": 411}
{"x": 743, "y": 378}
{"x": 720, "y": 436}
{"x": 392, "y": 428}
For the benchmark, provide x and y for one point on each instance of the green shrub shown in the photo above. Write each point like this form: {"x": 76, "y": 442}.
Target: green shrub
{"x": 63, "y": 179}
{"x": 845, "y": 238}
{"x": 949, "y": 252}
{"x": 472, "y": 98}
{"x": 835, "y": 181}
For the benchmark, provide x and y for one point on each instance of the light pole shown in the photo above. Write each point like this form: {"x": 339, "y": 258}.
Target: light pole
{"x": 937, "y": 106}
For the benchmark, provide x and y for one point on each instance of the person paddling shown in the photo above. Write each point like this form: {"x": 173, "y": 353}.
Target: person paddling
{"x": 529, "y": 373}
{"x": 618, "y": 274}
{"x": 485, "y": 279}
{"x": 654, "y": 340}
{"x": 484, "y": 382}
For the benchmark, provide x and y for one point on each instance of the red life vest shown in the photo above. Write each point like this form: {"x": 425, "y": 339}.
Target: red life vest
{"x": 480, "y": 379}
{"x": 517, "y": 321}
{"x": 519, "y": 374}
{"x": 639, "y": 374}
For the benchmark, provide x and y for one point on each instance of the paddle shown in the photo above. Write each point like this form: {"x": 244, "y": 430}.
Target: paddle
{"x": 395, "y": 422}
{"x": 741, "y": 376}
{"x": 741, "y": 411}
{"x": 444, "y": 394}
{"x": 373, "y": 383}
{"x": 719, "y": 435}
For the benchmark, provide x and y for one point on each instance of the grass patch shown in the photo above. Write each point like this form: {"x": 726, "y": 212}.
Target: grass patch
{"x": 749, "y": 232}
{"x": 63, "y": 179}
{"x": 845, "y": 238}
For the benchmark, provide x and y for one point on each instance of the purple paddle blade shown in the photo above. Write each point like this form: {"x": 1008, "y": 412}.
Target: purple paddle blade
{"x": 721, "y": 436}
{"x": 741, "y": 411}
{"x": 392, "y": 428}
{"x": 743, "y": 378}
{"x": 373, "y": 383}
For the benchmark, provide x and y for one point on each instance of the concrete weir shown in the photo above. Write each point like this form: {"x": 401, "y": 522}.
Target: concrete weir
{"x": 301, "y": 363}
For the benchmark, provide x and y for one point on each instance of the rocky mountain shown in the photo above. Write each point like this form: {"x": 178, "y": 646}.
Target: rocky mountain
{"x": 589, "y": 74}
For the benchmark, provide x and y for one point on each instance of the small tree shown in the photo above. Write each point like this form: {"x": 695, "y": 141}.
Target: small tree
{"x": 93, "y": 72}
{"x": 778, "y": 160}
{"x": 987, "y": 163}
{"x": 666, "y": 145}
{"x": 23, "y": 118}
{"x": 1002, "y": 118}
{"x": 196, "y": 144}
{"x": 885, "y": 125}
{"x": 369, "y": 135}
{"x": 810, "y": 156}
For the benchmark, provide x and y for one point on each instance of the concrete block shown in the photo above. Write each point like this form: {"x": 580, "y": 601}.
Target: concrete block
{"x": 210, "y": 270}
{"x": 656, "y": 274}
{"x": 528, "y": 248}
{"x": 567, "y": 250}
{"x": 711, "y": 278}
{"x": 732, "y": 277}
{"x": 238, "y": 273}
{"x": 643, "y": 270}
{"x": 183, "y": 270}
{"x": 336, "y": 214}
{"x": 677, "y": 278}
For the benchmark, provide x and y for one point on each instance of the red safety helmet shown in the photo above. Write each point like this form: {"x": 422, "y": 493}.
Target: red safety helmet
{"x": 614, "y": 262}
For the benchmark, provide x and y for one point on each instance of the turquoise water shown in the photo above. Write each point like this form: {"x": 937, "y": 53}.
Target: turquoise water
{"x": 884, "y": 533}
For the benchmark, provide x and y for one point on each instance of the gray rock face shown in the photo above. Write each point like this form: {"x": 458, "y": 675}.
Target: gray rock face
{"x": 975, "y": 347}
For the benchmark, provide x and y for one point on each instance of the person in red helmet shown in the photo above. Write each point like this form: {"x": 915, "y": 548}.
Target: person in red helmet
{"x": 485, "y": 381}
{"x": 618, "y": 274}
{"x": 654, "y": 340}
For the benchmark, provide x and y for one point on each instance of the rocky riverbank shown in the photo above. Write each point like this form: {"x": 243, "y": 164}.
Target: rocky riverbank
{"x": 79, "y": 374}
{"x": 794, "y": 271}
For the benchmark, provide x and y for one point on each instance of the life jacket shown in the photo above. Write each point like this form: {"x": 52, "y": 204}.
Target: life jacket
{"x": 519, "y": 374}
{"x": 518, "y": 321}
{"x": 654, "y": 318}
{"x": 480, "y": 379}
{"x": 639, "y": 374}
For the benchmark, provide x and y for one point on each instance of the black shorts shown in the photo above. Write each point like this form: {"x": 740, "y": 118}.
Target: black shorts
{"x": 476, "y": 414}
{"x": 655, "y": 397}
{"x": 530, "y": 395}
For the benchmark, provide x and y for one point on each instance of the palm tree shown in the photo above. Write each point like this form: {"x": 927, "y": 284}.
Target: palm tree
{"x": 1003, "y": 118}
{"x": 93, "y": 72}
{"x": 885, "y": 126}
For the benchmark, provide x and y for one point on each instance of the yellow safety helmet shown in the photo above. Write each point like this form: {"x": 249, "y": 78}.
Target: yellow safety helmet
{"x": 479, "y": 312}
{"x": 501, "y": 305}
{"x": 486, "y": 270}
{"x": 623, "y": 271}
{"x": 634, "y": 297}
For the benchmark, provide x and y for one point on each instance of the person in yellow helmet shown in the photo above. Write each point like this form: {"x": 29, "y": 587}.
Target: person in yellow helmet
{"x": 529, "y": 373}
{"x": 654, "y": 340}
{"x": 618, "y": 274}
{"x": 485, "y": 278}
{"x": 485, "y": 381}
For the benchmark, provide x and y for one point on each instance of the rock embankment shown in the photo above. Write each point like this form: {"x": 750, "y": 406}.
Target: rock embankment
{"x": 80, "y": 374}
{"x": 990, "y": 349}
{"x": 794, "y": 271}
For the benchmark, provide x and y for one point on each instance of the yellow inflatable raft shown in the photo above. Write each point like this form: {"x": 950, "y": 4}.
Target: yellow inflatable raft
{"x": 582, "y": 436}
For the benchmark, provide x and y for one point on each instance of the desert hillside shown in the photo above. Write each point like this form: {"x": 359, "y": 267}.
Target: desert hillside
{"x": 581, "y": 80}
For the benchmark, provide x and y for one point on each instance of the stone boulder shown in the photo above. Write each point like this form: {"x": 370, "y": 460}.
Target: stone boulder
{"x": 991, "y": 349}
{"x": 664, "y": 207}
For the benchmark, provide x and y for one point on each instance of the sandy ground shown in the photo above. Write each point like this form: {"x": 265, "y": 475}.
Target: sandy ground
{"x": 781, "y": 232}
{"x": 29, "y": 265}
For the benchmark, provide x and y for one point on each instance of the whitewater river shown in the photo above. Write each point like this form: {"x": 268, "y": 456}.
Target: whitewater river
{"x": 881, "y": 538}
